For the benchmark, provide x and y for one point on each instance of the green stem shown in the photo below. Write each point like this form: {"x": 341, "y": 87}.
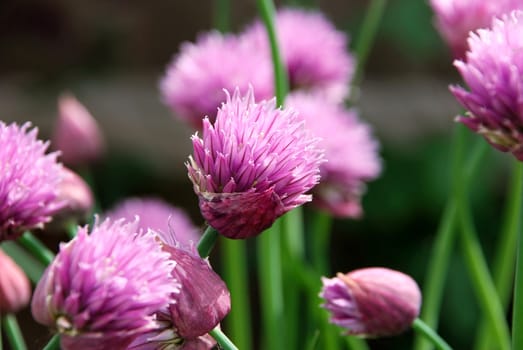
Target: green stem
{"x": 517, "y": 315}
{"x": 481, "y": 279}
{"x": 234, "y": 255}
{"x": 354, "y": 343}
{"x": 271, "y": 294}
{"x": 71, "y": 227}
{"x": 423, "y": 329}
{"x": 505, "y": 254}
{"x": 207, "y": 241}
{"x": 225, "y": 343}
{"x": 35, "y": 247}
{"x": 445, "y": 235}
{"x": 54, "y": 343}
{"x": 293, "y": 253}
{"x": 222, "y": 15}
{"x": 367, "y": 36}
{"x": 266, "y": 9}
{"x": 13, "y": 332}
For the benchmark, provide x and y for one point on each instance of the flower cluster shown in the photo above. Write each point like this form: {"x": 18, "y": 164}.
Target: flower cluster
{"x": 254, "y": 164}
{"x": 29, "y": 181}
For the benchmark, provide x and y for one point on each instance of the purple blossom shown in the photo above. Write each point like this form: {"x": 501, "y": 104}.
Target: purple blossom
{"x": 159, "y": 216}
{"x": 350, "y": 150}
{"x": 29, "y": 181}
{"x": 254, "y": 164}
{"x": 77, "y": 195}
{"x": 195, "y": 79}
{"x": 492, "y": 69}
{"x": 372, "y": 302}
{"x": 456, "y": 18}
{"x": 77, "y": 134}
{"x": 313, "y": 50}
{"x": 103, "y": 289}
{"x": 203, "y": 302}
{"x": 15, "y": 289}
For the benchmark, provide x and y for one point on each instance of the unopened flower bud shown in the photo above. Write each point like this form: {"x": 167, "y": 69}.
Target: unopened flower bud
{"x": 15, "y": 290}
{"x": 204, "y": 299}
{"x": 76, "y": 133}
{"x": 77, "y": 195}
{"x": 372, "y": 302}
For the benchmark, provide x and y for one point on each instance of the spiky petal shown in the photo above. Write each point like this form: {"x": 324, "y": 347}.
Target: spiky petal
{"x": 350, "y": 150}
{"x": 29, "y": 181}
{"x": 493, "y": 69}
{"x": 254, "y": 164}
{"x": 103, "y": 289}
{"x": 372, "y": 302}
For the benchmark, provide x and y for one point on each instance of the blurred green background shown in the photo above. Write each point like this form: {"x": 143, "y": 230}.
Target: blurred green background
{"x": 112, "y": 53}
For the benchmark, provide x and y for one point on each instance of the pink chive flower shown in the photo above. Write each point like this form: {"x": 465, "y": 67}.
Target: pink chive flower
{"x": 492, "y": 69}
{"x": 15, "y": 290}
{"x": 254, "y": 164}
{"x": 454, "y": 19}
{"x": 103, "y": 289}
{"x": 372, "y": 302}
{"x": 29, "y": 181}
{"x": 193, "y": 84}
{"x": 350, "y": 150}
{"x": 159, "y": 216}
{"x": 314, "y": 51}
{"x": 77, "y": 134}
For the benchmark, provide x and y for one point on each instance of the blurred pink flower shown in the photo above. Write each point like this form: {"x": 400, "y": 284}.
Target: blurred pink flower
{"x": 253, "y": 165}
{"x": 314, "y": 51}
{"x": 350, "y": 150}
{"x": 29, "y": 181}
{"x": 456, "y": 18}
{"x": 160, "y": 216}
{"x": 76, "y": 134}
{"x": 372, "y": 302}
{"x": 493, "y": 69}
{"x": 195, "y": 79}
{"x": 15, "y": 290}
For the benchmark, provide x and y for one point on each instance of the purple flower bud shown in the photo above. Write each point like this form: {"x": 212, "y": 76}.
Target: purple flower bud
{"x": 77, "y": 195}
{"x": 314, "y": 52}
{"x": 103, "y": 289}
{"x": 254, "y": 164}
{"x": 372, "y": 302}
{"x": 76, "y": 133}
{"x": 493, "y": 70}
{"x": 204, "y": 299}
{"x": 159, "y": 216}
{"x": 15, "y": 290}
{"x": 456, "y": 18}
{"x": 29, "y": 181}
{"x": 350, "y": 150}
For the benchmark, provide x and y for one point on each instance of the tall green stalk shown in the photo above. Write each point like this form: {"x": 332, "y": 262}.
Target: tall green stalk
{"x": 271, "y": 294}
{"x": 480, "y": 276}
{"x": 423, "y": 329}
{"x": 13, "y": 332}
{"x": 222, "y": 15}
{"x": 367, "y": 36}
{"x": 36, "y": 248}
{"x": 461, "y": 174}
{"x": 517, "y": 314}
{"x": 505, "y": 254}
{"x": 207, "y": 241}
